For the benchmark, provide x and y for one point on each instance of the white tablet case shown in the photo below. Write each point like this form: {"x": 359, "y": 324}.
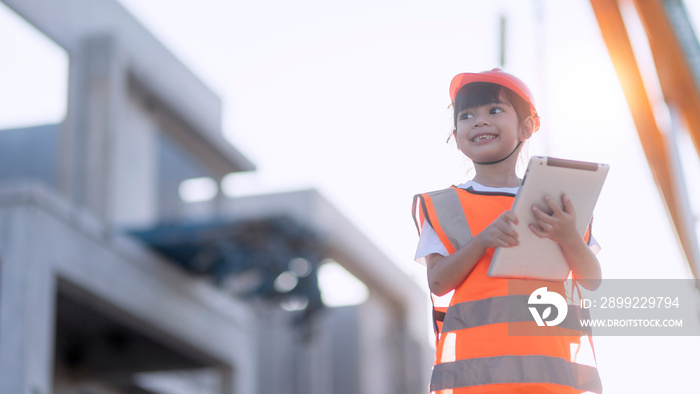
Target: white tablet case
{"x": 542, "y": 258}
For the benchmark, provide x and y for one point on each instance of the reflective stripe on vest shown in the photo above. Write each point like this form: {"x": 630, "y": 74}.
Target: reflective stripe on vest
{"x": 451, "y": 216}
{"x": 443, "y": 211}
{"x": 504, "y": 309}
{"x": 515, "y": 369}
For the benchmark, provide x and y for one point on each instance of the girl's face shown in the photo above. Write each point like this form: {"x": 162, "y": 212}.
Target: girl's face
{"x": 491, "y": 131}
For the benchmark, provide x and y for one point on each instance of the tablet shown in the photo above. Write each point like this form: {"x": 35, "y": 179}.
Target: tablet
{"x": 542, "y": 258}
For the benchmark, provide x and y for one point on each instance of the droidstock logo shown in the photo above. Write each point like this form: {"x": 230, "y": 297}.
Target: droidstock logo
{"x": 553, "y": 300}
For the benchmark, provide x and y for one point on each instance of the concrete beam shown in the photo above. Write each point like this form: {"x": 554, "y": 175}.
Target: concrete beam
{"x": 44, "y": 240}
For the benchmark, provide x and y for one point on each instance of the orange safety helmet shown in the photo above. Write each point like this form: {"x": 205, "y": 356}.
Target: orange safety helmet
{"x": 499, "y": 77}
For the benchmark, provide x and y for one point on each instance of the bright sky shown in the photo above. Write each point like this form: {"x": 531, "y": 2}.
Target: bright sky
{"x": 352, "y": 100}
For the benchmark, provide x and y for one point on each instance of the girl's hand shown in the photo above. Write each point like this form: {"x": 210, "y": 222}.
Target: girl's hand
{"x": 500, "y": 232}
{"x": 560, "y": 226}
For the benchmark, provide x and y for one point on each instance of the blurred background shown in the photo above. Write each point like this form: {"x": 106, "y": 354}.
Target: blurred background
{"x": 246, "y": 170}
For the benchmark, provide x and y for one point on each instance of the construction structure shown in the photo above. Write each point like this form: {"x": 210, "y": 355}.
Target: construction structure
{"x": 676, "y": 54}
{"x": 110, "y": 283}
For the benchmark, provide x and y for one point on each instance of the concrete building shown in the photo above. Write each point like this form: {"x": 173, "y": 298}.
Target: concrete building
{"x": 87, "y": 306}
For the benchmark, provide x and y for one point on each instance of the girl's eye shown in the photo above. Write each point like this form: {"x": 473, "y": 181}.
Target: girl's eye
{"x": 496, "y": 110}
{"x": 465, "y": 115}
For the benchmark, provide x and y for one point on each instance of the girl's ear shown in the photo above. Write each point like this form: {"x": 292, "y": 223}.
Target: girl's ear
{"x": 527, "y": 128}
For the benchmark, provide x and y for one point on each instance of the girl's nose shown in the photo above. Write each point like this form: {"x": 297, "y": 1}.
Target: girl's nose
{"x": 480, "y": 120}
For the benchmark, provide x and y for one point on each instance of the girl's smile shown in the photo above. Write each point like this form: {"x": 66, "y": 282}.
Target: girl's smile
{"x": 484, "y": 137}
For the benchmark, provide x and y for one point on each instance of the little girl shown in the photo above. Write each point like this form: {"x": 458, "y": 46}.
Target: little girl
{"x": 459, "y": 227}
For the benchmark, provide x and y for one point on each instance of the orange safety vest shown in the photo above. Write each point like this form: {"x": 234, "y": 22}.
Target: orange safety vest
{"x": 482, "y": 345}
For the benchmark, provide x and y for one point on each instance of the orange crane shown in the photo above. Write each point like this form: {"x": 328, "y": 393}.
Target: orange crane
{"x": 676, "y": 54}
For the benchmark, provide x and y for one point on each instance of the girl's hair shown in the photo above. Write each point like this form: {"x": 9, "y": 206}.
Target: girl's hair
{"x": 477, "y": 94}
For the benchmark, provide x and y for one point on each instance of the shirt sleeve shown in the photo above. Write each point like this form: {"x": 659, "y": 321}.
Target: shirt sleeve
{"x": 428, "y": 243}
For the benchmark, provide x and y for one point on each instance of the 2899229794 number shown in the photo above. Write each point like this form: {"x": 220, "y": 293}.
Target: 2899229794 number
{"x": 638, "y": 302}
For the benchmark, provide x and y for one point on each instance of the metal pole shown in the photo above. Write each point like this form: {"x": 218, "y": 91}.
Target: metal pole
{"x": 688, "y": 219}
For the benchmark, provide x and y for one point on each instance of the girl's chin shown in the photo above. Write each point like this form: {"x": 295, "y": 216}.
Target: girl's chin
{"x": 487, "y": 156}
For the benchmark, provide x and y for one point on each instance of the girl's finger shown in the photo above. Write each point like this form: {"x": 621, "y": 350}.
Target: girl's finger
{"x": 510, "y": 231}
{"x": 507, "y": 229}
{"x": 541, "y": 216}
{"x": 538, "y": 232}
{"x": 547, "y": 227}
{"x": 552, "y": 205}
{"x": 509, "y": 241}
{"x": 510, "y": 216}
{"x": 568, "y": 206}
